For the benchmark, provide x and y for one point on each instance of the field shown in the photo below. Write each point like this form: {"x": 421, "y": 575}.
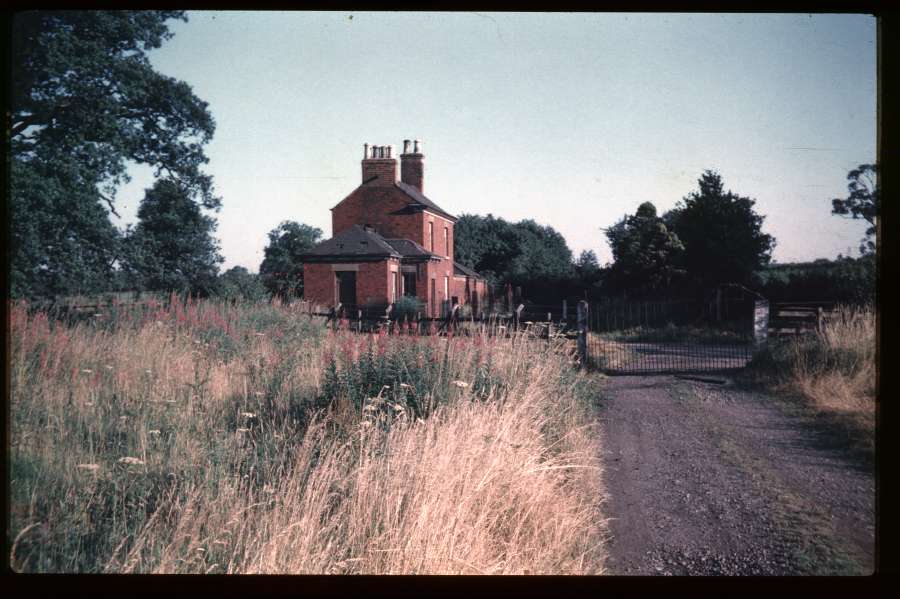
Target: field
{"x": 220, "y": 438}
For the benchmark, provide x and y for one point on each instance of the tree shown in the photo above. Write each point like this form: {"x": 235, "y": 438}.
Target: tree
{"x": 84, "y": 102}
{"x": 516, "y": 253}
{"x": 646, "y": 254}
{"x": 721, "y": 233}
{"x": 172, "y": 248}
{"x": 864, "y": 201}
{"x": 239, "y": 283}
{"x": 542, "y": 257}
{"x": 487, "y": 244}
{"x": 281, "y": 269}
{"x": 587, "y": 267}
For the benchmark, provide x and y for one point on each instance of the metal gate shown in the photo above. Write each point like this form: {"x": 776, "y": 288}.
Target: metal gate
{"x": 676, "y": 336}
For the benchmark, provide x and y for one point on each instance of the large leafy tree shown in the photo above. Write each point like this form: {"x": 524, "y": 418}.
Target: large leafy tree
{"x": 239, "y": 283}
{"x": 172, "y": 247}
{"x": 543, "y": 255}
{"x": 862, "y": 202}
{"x": 647, "y": 255}
{"x": 84, "y": 102}
{"x": 281, "y": 269}
{"x": 722, "y": 234}
{"x": 487, "y": 244}
{"x": 516, "y": 253}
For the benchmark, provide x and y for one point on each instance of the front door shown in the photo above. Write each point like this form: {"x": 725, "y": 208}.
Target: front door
{"x": 346, "y": 284}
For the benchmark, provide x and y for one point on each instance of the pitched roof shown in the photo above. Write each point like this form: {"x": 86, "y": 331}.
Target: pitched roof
{"x": 359, "y": 242}
{"x": 408, "y": 247}
{"x": 420, "y": 198}
{"x": 355, "y": 241}
{"x": 459, "y": 269}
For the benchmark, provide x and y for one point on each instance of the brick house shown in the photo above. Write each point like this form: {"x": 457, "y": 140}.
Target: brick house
{"x": 390, "y": 240}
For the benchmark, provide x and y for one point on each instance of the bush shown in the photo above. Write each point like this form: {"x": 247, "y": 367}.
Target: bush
{"x": 407, "y": 307}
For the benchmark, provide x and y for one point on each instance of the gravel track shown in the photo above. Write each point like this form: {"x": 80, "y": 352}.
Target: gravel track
{"x": 706, "y": 479}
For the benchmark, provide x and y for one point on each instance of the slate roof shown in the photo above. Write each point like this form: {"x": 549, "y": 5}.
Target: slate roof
{"x": 420, "y": 198}
{"x": 359, "y": 242}
{"x": 408, "y": 247}
{"x": 354, "y": 242}
{"x": 460, "y": 270}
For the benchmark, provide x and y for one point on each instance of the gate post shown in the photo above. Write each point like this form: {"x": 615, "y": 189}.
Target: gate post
{"x": 760, "y": 324}
{"x": 582, "y": 332}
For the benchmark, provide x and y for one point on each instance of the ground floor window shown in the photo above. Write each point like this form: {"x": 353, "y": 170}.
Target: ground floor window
{"x": 409, "y": 283}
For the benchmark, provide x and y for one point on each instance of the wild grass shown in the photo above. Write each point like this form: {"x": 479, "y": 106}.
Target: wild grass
{"x": 219, "y": 438}
{"x": 833, "y": 369}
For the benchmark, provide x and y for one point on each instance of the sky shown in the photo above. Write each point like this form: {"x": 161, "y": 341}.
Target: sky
{"x": 570, "y": 119}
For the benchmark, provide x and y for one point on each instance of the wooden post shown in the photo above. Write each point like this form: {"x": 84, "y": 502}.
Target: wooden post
{"x": 760, "y": 324}
{"x": 359, "y": 320}
{"x": 518, "y": 315}
{"x": 582, "y": 332}
{"x": 820, "y": 318}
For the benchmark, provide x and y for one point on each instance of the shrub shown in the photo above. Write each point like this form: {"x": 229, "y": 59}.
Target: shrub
{"x": 407, "y": 307}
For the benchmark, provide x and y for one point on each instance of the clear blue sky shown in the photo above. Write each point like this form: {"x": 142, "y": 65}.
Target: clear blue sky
{"x": 570, "y": 119}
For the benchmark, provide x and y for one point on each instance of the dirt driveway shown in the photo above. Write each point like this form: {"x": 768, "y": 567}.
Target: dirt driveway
{"x": 707, "y": 479}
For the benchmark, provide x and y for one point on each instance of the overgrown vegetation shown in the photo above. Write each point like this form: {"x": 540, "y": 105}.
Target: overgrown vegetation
{"x": 224, "y": 438}
{"x": 834, "y": 369}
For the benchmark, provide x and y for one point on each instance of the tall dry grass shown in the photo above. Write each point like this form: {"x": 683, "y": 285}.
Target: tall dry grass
{"x": 833, "y": 368}
{"x": 236, "y": 439}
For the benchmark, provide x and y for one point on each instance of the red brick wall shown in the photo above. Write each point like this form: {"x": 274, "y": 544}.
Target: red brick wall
{"x": 318, "y": 284}
{"x": 373, "y": 206}
{"x": 412, "y": 170}
{"x": 385, "y": 169}
{"x": 373, "y": 281}
{"x": 439, "y": 224}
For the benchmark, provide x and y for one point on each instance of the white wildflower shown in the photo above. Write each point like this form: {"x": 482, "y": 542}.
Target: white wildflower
{"x": 86, "y": 370}
{"x": 154, "y": 431}
{"x": 248, "y": 415}
{"x": 461, "y": 384}
{"x": 131, "y": 461}
{"x": 243, "y": 430}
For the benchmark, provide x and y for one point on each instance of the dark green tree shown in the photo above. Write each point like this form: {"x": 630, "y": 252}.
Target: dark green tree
{"x": 863, "y": 201}
{"x": 646, "y": 254}
{"x": 281, "y": 269}
{"x": 722, "y": 234}
{"x": 517, "y": 253}
{"x": 543, "y": 255}
{"x": 84, "y": 103}
{"x": 172, "y": 247}
{"x": 587, "y": 267}
{"x": 239, "y": 283}
{"x": 487, "y": 244}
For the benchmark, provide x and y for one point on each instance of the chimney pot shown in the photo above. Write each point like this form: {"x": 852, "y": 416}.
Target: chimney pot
{"x": 379, "y": 168}
{"x": 365, "y": 151}
{"x": 406, "y": 143}
{"x": 412, "y": 167}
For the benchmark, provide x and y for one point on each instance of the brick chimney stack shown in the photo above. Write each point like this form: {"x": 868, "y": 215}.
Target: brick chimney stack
{"x": 379, "y": 167}
{"x": 412, "y": 166}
